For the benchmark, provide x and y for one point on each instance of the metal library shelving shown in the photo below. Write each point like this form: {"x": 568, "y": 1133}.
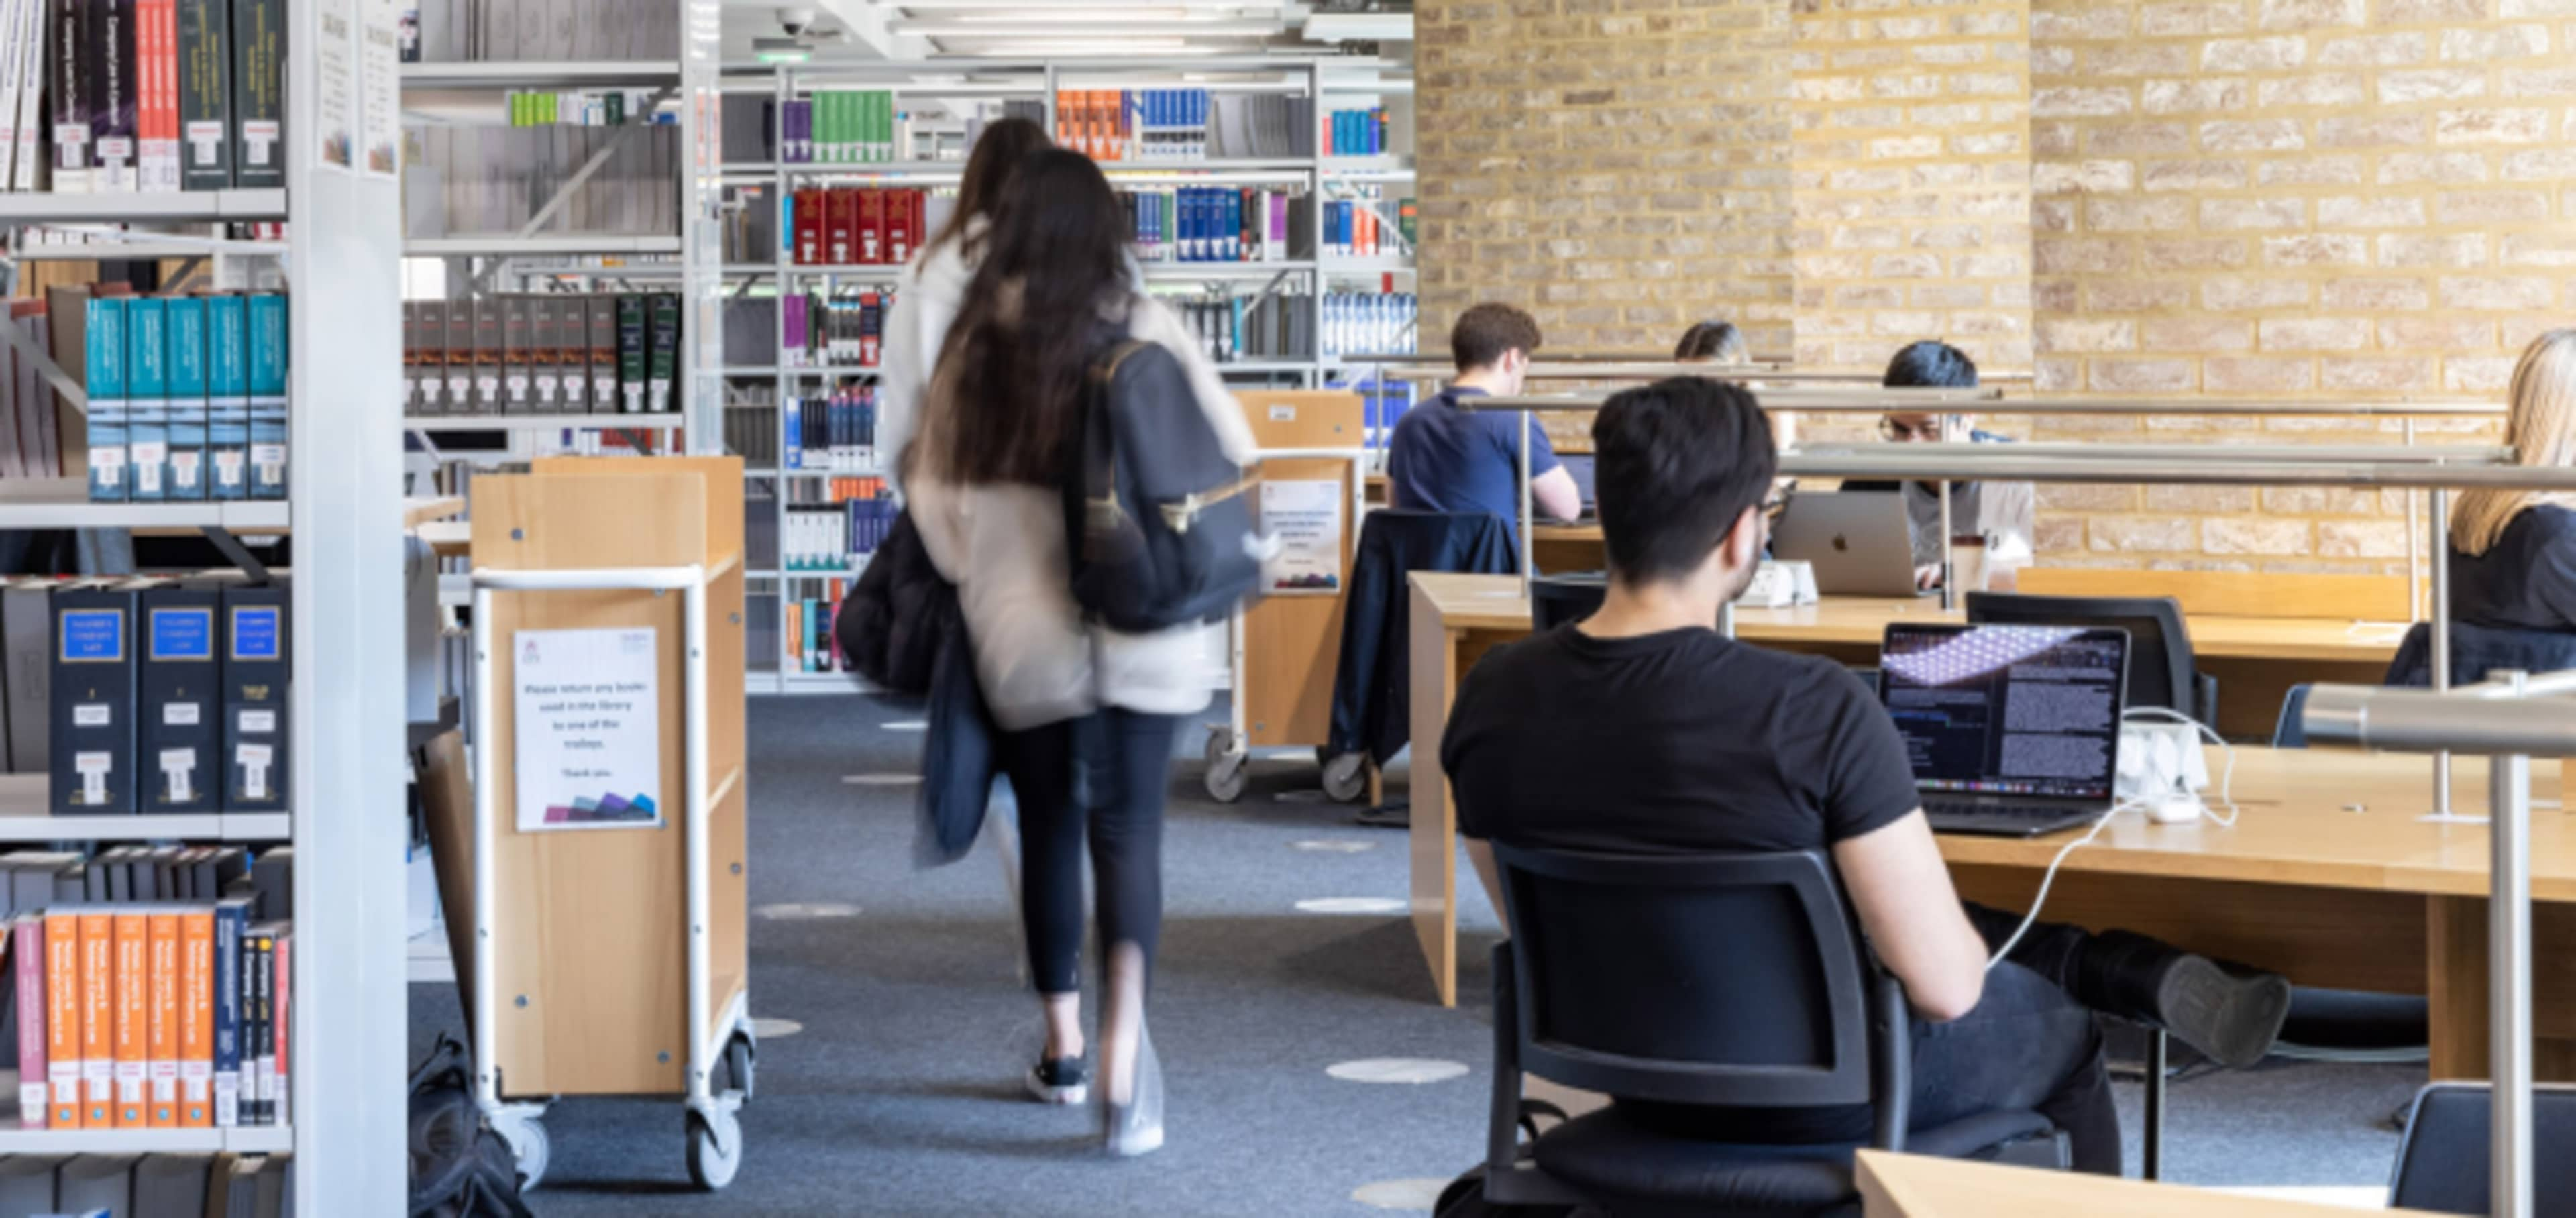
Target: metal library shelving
{"x": 1319, "y": 177}
{"x": 345, "y": 718}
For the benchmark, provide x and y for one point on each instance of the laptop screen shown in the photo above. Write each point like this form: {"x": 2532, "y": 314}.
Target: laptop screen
{"x": 2008, "y": 710}
{"x": 1579, "y": 466}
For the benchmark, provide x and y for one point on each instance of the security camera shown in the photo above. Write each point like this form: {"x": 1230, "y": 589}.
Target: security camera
{"x": 795, "y": 20}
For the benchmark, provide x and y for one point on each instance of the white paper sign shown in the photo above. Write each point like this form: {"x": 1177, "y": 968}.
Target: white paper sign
{"x": 1305, "y": 518}
{"x": 380, "y": 73}
{"x": 335, "y": 81}
{"x": 589, "y": 709}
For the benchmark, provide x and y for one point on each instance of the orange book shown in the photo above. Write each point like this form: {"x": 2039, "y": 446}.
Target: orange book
{"x": 197, "y": 1018}
{"x": 132, "y": 1004}
{"x": 63, "y": 1052}
{"x": 98, "y": 1019}
{"x": 161, "y": 1021}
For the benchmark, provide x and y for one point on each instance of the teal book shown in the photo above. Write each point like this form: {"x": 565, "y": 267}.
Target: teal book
{"x": 103, "y": 357}
{"x": 147, "y": 404}
{"x": 228, "y": 397}
{"x": 186, "y": 323}
{"x": 267, "y": 360}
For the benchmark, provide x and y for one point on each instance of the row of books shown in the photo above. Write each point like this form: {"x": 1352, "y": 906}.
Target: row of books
{"x": 162, "y": 695}
{"x": 1370, "y": 322}
{"x": 747, "y": 226}
{"x": 839, "y": 126}
{"x": 837, "y": 536}
{"x": 1352, "y": 228}
{"x": 595, "y": 353}
{"x": 756, "y": 134}
{"x": 141, "y": 95}
{"x": 1356, "y": 132}
{"x": 481, "y": 180}
{"x": 31, "y": 421}
{"x": 546, "y": 31}
{"x": 810, "y": 647}
{"x": 843, "y": 226}
{"x": 187, "y": 396}
{"x": 1181, "y": 124}
{"x": 33, "y": 881}
{"x": 837, "y": 431}
{"x": 751, "y": 427}
{"x": 578, "y": 109}
{"x": 147, "y": 1186}
{"x": 1218, "y": 224}
{"x": 1276, "y": 325}
{"x": 152, "y": 1015}
{"x": 844, "y": 330}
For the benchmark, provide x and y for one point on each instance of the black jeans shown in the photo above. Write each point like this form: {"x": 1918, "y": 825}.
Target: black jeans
{"x": 1100, "y": 778}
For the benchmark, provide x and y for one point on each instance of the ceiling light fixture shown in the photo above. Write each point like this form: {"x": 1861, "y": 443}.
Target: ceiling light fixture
{"x": 1054, "y": 27}
{"x": 1359, "y": 27}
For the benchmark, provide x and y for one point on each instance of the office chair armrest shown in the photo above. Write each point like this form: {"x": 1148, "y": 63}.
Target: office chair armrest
{"x": 1503, "y": 1120}
{"x": 2204, "y": 699}
{"x": 1891, "y": 1076}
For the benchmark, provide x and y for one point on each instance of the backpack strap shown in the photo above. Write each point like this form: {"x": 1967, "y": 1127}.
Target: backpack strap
{"x": 1097, "y": 471}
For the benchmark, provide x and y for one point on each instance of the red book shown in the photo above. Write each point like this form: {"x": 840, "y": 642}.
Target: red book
{"x": 898, "y": 225}
{"x": 27, "y": 949}
{"x": 871, "y": 226}
{"x": 840, "y": 234}
{"x": 809, "y": 206}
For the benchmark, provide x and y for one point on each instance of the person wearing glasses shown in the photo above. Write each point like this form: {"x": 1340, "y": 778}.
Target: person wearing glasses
{"x": 1997, "y": 513}
{"x": 1642, "y": 730}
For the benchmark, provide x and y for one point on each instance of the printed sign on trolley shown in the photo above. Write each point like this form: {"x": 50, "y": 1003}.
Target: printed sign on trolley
{"x": 1305, "y": 518}
{"x": 589, "y": 737}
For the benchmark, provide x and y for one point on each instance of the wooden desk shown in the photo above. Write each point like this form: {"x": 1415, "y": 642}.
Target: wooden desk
{"x": 2304, "y": 885}
{"x": 2255, "y": 659}
{"x": 1915, "y": 1186}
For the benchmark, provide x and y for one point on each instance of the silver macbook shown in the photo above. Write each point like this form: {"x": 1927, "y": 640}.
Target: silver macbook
{"x": 1856, "y": 541}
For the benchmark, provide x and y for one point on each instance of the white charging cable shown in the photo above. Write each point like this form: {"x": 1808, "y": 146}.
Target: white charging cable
{"x": 2226, "y": 795}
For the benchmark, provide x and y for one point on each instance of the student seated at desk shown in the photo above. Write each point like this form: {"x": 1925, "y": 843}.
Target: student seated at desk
{"x": 1642, "y": 730}
{"x": 1721, "y": 343}
{"x": 2513, "y": 552}
{"x": 1999, "y": 512}
{"x": 1443, "y": 459}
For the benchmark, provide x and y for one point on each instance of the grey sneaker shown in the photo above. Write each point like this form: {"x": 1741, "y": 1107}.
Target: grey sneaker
{"x": 1136, "y": 1127}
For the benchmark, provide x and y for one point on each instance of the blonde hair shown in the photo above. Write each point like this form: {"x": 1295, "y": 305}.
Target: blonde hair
{"x": 2540, "y": 426}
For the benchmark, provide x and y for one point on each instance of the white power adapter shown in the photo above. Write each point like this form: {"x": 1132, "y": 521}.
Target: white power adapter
{"x": 2161, "y": 770}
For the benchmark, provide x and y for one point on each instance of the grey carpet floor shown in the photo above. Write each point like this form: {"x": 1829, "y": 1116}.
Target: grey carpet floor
{"x": 900, "y": 1093}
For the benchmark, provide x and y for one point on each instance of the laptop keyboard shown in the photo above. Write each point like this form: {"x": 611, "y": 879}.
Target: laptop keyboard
{"x": 1970, "y": 807}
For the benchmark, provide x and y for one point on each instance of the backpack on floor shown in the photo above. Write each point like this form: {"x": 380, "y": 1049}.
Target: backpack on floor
{"x": 459, "y": 1167}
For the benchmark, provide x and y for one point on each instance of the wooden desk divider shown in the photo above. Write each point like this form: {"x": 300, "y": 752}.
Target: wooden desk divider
{"x": 1292, "y": 642}
{"x": 2358, "y": 598}
{"x": 592, "y": 975}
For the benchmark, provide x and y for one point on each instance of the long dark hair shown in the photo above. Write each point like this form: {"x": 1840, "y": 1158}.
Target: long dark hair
{"x": 1004, "y": 144}
{"x": 1010, "y": 375}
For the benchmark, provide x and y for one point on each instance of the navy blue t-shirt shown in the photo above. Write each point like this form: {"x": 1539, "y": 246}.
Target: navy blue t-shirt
{"x": 1444, "y": 459}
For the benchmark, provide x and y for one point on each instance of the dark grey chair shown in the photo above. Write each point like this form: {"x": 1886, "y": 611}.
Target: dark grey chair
{"x": 2162, "y": 671}
{"x": 1615, "y": 981}
{"x": 2442, "y": 1163}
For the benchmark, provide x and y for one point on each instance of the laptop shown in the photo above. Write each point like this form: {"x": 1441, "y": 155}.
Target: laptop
{"x": 2012, "y": 731}
{"x": 1579, "y": 467}
{"x": 1857, "y": 541}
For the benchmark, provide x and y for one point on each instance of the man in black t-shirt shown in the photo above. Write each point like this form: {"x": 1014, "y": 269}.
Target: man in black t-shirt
{"x": 1641, "y": 730}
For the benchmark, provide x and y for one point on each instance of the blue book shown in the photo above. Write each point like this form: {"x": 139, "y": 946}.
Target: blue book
{"x": 91, "y": 737}
{"x": 267, "y": 319}
{"x": 104, "y": 366}
{"x": 178, "y": 715}
{"x": 187, "y": 365}
{"x": 232, "y": 923}
{"x": 256, "y": 673}
{"x": 228, "y": 397}
{"x": 793, "y": 456}
{"x": 147, "y": 406}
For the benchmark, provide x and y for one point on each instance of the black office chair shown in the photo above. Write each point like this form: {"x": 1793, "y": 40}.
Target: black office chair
{"x": 2477, "y": 651}
{"x": 1570, "y": 597}
{"x": 1614, "y": 981}
{"x": 2442, "y": 1162}
{"x": 2161, "y": 669}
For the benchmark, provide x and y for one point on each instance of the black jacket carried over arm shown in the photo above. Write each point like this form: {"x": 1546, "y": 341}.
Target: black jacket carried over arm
{"x": 1372, "y": 690}
{"x": 901, "y": 628}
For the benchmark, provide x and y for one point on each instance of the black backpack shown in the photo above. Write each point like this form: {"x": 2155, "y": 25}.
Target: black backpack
{"x": 1158, "y": 519}
{"x": 459, "y": 1167}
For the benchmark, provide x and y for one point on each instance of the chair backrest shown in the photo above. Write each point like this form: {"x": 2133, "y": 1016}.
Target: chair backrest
{"x": 1572, "y": 597}
{"x": 1734, "y": 980}
{"x": 2478, "y": 652}
{"x": 2160, "y": 660}
{"x": 2361, "y": 598}
{"x": 2442, "y": 1163}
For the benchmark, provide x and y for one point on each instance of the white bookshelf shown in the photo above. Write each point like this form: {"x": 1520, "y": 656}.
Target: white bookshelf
{"x": 26, "y": 816}
{"x": 63, "y": 503}
{"x": 538, "y": 76}
{"x": 184, "y": 207}
{"x": 246, "y": 1140}
{"x": 554, "y": 245}
{"x": 541, "y": 422}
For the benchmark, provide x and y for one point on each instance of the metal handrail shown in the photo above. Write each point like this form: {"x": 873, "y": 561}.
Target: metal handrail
{"x": 2441, "y": 454}
{"x": 1880, "y": 401}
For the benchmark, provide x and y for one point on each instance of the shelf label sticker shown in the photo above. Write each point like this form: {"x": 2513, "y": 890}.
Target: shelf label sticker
{"x": 258, "y": 723}
{"x": 179, "y": 714}
{"x": 254, "y": 759}
{"x": 92, "y": 714}
{"x": 93, "y": 769}
{"x": 179, "y": 769}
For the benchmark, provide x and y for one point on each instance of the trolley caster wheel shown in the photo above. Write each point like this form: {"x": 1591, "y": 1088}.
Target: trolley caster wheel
{"x": 1225, "y": 768}
{"x": 1346, "y": 778}
{"x": 530, "y": 1148}
{"x": 740, "y": 1059}
{"x": 715, "y": 1150}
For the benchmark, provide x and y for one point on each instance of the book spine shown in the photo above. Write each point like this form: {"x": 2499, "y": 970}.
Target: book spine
{"x": 147, "y": 407}
{"x": 104, "y": 356}
{"x": 197, "y": 1018}
{"x": 113, "y": 94}
{"x": 231, "y": 927}
{"x": 28, "y": 951}
{"x": 255, "y": 679}
{"x": 633, "y": 351}
{"x": 157, "y": 124}
{"x": 161, "y": 1020}
{"x": 67, "y": 94}
{"x": 280, "y": 1037}
{"x": 33, "y": 140}
{"x": 187, "y": 397}
{"x": 179, "y": 724}
{"x": 666, "y": 348}
{"x": 258, "y": 93}
{"x": 130, "y": 1002}
{"x": 259, "y": 1047}
{"x": 266, "y": 315}
{"x": 14, "y": 33}
{"x": 65, "y": 1055}
{"x": 228, "y": 397}
{"x": 92, "y": 728}
{"x": 205, "y": 94}
{"x": 98, "y": 1020}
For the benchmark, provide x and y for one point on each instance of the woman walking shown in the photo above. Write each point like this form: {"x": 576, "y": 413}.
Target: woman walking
{"x": 985, "y": 480}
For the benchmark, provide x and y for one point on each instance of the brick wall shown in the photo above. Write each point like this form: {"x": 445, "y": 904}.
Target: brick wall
{"x": 1911, "y": 176}
{"x": 1618, "y": 167}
